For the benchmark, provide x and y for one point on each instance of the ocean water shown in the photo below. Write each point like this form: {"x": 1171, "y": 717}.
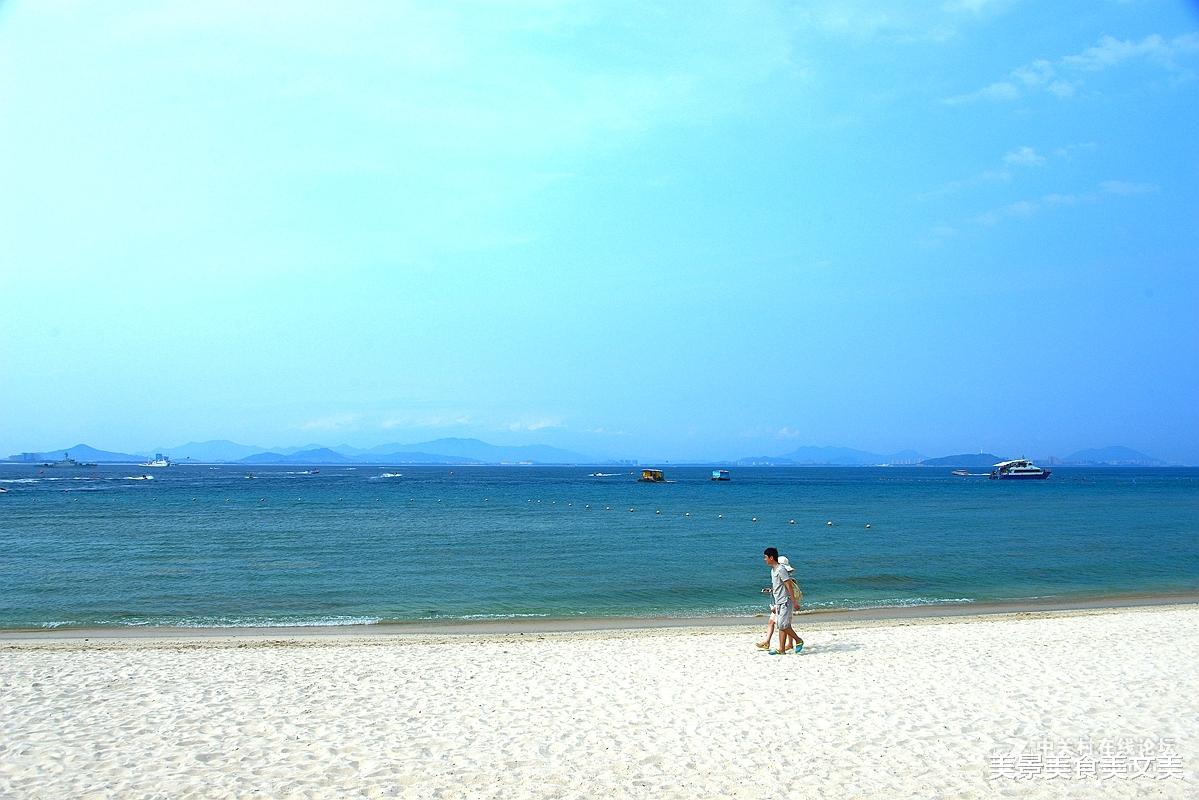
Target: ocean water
{"x": 199, "y": 545}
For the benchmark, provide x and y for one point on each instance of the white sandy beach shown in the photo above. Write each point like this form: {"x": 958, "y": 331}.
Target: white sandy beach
{"x": 902, "y": 708}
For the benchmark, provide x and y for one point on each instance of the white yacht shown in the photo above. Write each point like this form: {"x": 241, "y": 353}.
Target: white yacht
{"x": 1018, "y": 469}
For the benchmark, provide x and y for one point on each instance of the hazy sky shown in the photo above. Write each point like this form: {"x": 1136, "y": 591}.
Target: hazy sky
{"x": 672, "y": 230}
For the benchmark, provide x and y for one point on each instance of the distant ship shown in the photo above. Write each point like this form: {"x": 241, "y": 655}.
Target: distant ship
{"x": 159, "y": 461}
{"x": 1018, "y": 469}
{"x": 652, "y": 476}
{"x": 67, "y": 461}
{"x": 720, "y": 475}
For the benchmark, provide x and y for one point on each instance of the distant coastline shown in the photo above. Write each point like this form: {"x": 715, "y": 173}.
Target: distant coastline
{"x": 474, "y": 452}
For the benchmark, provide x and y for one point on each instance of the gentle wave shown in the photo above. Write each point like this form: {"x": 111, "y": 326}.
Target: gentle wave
{"x": 896, "y": 602}
{"x": 236, "y": 622}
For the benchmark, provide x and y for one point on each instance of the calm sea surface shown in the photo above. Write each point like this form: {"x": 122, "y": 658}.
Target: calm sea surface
{"x": 201, "y": 545}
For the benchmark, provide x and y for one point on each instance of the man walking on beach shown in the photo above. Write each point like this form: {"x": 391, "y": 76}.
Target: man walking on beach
{"x": 782, "y": 588}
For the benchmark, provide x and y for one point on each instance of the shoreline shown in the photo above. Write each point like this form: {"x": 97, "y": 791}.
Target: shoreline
{"x": 451, "y": 627}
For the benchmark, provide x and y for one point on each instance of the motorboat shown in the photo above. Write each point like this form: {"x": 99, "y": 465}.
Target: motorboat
{"x": 1018, "y": 469}
{"x": 652, "y": 476}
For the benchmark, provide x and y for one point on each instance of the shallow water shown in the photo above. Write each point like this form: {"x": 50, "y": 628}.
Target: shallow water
{"x": 197, "y": 545}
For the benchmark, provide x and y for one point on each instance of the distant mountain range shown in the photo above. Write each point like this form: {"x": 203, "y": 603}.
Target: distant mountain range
{"x": 474, "y": 451}
{"x": 1110, "y": 457}
{"x": 440, "y": 451}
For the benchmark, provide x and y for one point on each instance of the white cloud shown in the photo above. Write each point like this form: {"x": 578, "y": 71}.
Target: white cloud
{"x": 1057, "y": 199}
{"x": 1024, "y": 209}
{"x": 1025, "y": 157}
{"x": 1019, "y": 209}
{"x": 1069, "y": 150}
{"x": 1045, "y": 75}
{"x": 536, "y": 424}
{"x": 1111, "y": 51}
{"x": 974, "y": 6}
{"x": 1001, "y": 90}
{"x": 1037, "y": 73}
{"x": 447, "y": 420}
{"x": 902, "y": 23}
{"x": 602, "y": 431}
{"x": 334, "y": 422}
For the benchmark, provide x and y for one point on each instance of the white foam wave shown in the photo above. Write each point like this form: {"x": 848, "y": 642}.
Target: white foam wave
{"x": 240, "y": 622}
{"x": 895, "y": 602}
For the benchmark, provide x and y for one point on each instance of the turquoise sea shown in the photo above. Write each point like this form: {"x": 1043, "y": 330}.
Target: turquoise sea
{"x": 199, "y": 545}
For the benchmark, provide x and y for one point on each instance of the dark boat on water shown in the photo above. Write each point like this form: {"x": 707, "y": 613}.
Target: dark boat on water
{"x": 67, "y": 461}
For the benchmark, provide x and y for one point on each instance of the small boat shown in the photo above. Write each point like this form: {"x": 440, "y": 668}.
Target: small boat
{"x": 720, "y": 475}
{"x": 3, "y": 490}
{"x": 652, "y": 476}
{"x": 1018, "y": 469}
{"x": 962, "y": 473}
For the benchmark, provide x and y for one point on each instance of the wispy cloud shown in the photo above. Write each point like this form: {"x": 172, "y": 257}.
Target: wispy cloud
{"x": 1111, "y": 51}
{"x": 333, "y": 422}
{"x": 1025, "y": 209}
{"x": 602, "y": 431}
{"x": 1024, "y": 157}
{"x": 534, "y": 424}
{"x": 1064, "y": 76}
{"x": 447, "y": 420}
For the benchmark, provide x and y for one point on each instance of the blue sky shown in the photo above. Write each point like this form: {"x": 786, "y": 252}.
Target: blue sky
{"x": 678, "y": 230}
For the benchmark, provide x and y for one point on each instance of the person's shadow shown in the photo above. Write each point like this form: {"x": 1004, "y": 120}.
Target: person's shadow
{"x": 834, "y": 647}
